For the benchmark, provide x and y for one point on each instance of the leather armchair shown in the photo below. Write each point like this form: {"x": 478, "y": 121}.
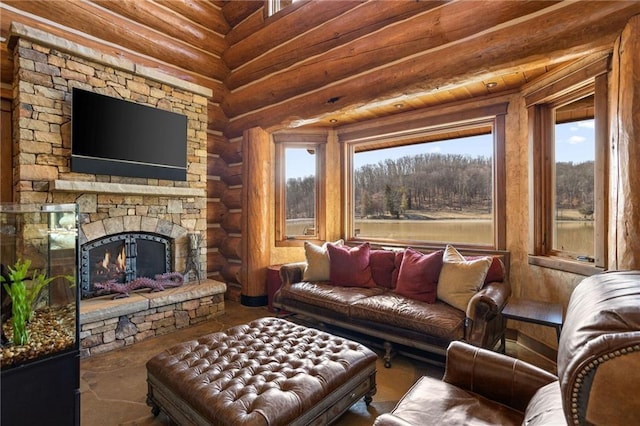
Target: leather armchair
{"x": 598, "y": 380}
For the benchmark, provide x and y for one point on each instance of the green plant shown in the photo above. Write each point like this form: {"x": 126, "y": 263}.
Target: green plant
{"x": 20, "y": 310}
{"x": 23, "y": 296}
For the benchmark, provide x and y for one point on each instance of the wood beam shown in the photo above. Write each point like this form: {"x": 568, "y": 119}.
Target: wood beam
{"x": 204, "y": 13}
{"x": 236, "y": 11}
{"x": 300, "y": 20}
{"x": 624, "y": 250}
{"x": 166, "y": 21}
{"x": 107, "y": 26}
{"x": 257, "y": 196}
{"x": 575, "y": 30}
{"x": 355, "y": 23}
{"x": 448, "y": 26}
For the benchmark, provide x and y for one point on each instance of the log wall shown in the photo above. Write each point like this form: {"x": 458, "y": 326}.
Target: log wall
{"x": 318, "y": 60}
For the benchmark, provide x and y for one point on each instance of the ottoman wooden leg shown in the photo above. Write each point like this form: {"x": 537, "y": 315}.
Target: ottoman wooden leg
{"x": 388, "y": 354}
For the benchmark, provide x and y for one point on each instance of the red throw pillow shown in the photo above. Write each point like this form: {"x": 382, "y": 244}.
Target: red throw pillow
{"x": 396, "y": 271}
{"x": 349, "y": 267}
{"x": 418, "y": 276}
{"x": 382, "y": 263}
{"x": 496, "y": 270}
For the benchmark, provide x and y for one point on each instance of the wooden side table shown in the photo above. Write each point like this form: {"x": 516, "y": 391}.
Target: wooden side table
{"x": 531, "y": 311}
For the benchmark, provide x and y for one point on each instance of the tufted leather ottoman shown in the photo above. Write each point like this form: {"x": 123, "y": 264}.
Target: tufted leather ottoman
{"x": 268, "y": 372}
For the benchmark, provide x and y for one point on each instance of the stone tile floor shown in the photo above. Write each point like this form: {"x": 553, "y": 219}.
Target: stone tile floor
{"x": 113, "y": 385}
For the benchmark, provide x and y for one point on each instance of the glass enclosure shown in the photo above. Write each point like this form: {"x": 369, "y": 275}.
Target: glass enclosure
{"x": 39, "y": 311}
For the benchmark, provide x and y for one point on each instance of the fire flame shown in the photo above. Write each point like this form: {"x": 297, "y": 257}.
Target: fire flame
{"x": 106, "y": 260}
{"x": 121, "y": 260}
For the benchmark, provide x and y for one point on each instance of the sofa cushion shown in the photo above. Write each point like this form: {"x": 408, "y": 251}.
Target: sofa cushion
{"x": 349, "y": 266}
{"x": 317, "y": 268}
{"x": 327, "y": 296}
{"x": 383, "y": 265}
{"x": 418, "y": 275}
{"x": 460, "y": 279}
{"x": 436, "y": 319}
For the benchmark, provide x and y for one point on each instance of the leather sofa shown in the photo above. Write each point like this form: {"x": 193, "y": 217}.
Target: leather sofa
{"x": 598, "y": 380}
{"x": 379, "y": 311}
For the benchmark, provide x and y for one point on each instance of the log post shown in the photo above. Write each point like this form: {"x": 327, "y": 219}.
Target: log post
{"x": 624, "y": 247}
{"x": 256, "y": 194}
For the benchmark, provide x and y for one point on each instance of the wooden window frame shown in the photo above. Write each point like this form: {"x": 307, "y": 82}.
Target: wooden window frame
{"x": 313, "y": 140}
{"x": 414, "y": 127}
{"x": 568, "y": 87}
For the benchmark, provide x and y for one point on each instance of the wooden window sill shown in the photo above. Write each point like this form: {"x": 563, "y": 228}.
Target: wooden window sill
{"x": 566, "y": 265}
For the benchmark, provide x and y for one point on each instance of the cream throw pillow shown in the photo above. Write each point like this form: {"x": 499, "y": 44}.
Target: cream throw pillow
{"x": 318, "y": 266}
{"x": 460, "y": 279}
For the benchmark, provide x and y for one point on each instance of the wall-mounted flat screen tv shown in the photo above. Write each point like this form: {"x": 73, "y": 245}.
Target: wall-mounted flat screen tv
{"x": 112, "y": 136}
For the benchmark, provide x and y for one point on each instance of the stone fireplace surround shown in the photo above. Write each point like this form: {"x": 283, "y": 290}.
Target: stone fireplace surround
{"x": 46, "y": 68}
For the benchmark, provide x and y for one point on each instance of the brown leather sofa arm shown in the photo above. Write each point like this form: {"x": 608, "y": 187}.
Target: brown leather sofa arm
{"x": 292, "y": 273}
{"x": 483, "y": 307}
{"x": 498, "y": 377}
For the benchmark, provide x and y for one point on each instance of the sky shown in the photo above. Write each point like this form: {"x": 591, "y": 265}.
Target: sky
{"x": 574, "y": 142}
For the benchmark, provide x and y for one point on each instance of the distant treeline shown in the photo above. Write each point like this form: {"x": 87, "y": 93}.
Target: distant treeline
{"x": 437, "y": 182}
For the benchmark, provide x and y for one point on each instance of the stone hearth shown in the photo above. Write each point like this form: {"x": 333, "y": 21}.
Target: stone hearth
{"x": 107, "y": 323}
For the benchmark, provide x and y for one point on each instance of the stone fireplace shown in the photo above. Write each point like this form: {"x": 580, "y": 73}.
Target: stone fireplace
{"x": 136, "y": 214}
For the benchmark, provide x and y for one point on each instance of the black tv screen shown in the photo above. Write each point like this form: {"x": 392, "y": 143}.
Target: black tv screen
{"x": 111, "y": 136}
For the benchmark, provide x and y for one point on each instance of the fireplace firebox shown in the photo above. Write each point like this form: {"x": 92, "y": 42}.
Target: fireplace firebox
{"x": 123, "y": 258}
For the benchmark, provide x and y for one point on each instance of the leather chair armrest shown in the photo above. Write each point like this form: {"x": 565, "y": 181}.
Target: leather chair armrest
{"x": 292, "y": 273}
{"x": 498, "y": 377}
{"x": 484, "y": 306}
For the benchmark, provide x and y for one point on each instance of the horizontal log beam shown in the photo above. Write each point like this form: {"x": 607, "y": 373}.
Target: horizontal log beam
{"x": 578, "y": 29}
{"x": 236, "y": 11}
{"x": 248, "y": 26}
{"x": 9, "y": 15}
{"x": 447, "y": 25}
{"x": 299, "y": 21}
{"x": 166, "y": 21}
{"x": 207, "y": 14}
{"x": 354, "y": 24}
{"x": 105, "y": 25}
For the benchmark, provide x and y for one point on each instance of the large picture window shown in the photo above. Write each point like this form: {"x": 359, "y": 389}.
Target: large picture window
{"x": 440, "y": 183}
{"x": 439, "y": 191}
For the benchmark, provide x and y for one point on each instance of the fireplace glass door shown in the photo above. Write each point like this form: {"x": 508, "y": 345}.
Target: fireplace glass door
{"x": 123, "y": 258}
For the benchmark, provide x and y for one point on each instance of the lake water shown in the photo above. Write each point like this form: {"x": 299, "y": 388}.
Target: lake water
{"x": 573, "y": 236}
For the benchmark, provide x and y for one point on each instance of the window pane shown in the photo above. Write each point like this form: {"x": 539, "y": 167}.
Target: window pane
{"x": 437, "y": 191}
{"x": 300, "y": 191}
{"x": 573, "y": 217}
{"x": 277, "y": 5}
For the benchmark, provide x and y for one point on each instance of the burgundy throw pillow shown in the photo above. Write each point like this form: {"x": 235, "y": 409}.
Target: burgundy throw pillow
{"x": 496, "y": 270}
{"x": 396, "y": 272}
{"x": 349, "y": 267}
{"x": 382, "y": 263}
{"x": 418, "y": 276}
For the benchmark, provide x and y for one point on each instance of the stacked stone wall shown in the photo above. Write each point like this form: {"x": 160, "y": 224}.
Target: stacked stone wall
{"x": 43, "y": 83}
{"x": 108, "y": 324}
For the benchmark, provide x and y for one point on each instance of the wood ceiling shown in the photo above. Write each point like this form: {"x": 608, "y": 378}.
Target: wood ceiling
{"x": 320, "y": 61}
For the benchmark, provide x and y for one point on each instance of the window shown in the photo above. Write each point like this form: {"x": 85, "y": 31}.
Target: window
{"x": 275, "y": 6}
{"x": 567, "y": 180}
{"x": 440, "y": 184}
{"x": 299, "y": 212}
{"x": 572, "y": 213}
